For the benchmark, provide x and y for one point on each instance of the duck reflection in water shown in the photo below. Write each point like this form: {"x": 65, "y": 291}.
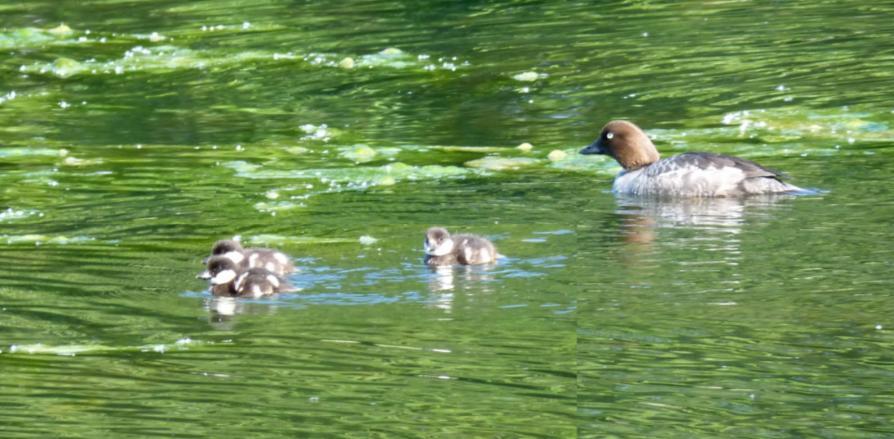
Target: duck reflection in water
{"x": 223, "y": 310}
{"x": 718, "y": 221}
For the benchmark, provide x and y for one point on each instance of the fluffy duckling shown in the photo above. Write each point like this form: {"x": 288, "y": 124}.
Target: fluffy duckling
{"x": 443, "y": 249}
{"x": 258, "y": 282}
{"x": 222, "y": 272}
{"x": 271, "y": 260}
{"x": 229, "y": 279}
{"x": 691, "y": 174}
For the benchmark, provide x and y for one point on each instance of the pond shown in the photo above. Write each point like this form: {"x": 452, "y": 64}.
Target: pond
{"x": 134, "y": 134}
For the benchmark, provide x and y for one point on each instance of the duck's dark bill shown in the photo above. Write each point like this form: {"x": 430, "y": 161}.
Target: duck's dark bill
{"x": 593, "y": 148}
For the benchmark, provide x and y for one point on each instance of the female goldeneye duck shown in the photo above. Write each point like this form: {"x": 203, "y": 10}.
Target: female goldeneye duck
{"x": 222, "y": 273}
{"x": 443, "y": 249}
{"x": 259, "y": 282}
{"x": 271, "y": 260}
{"x": 691, "y": 174}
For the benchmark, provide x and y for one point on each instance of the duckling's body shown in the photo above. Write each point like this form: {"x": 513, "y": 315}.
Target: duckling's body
{"x": 222, "y": 273}
{"x": 259, "y": 282}
{"x": 691, "y": 174}
{"x": 443, "y": 249}
{"x": 228, "y": 278}
{"x": 271, "y": 260}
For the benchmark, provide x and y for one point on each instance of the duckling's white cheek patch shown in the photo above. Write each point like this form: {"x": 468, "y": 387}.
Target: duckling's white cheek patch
{"x": 444, "y": 249}
{"x": 256, "y": 290}
{"x": 281, "y": 258}
{"x": 223, "y": 277}
{"x": 468, "y": 252}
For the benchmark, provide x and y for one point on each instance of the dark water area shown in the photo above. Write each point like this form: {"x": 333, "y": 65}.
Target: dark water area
{"x": 135, "y": 134}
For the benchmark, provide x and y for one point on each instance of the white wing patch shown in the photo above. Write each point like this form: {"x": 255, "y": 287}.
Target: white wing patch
{"x": 252, "y": 260}
{"x": 281, "y": 258}
{"x": 235, "y": 256}
{"x": 273, "y": 280}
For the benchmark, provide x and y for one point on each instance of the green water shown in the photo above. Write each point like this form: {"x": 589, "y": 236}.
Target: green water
{"x": 138, "y": 133}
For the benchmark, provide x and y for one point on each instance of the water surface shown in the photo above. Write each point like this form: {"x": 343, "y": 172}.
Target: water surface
{"x": 135, "y": 134}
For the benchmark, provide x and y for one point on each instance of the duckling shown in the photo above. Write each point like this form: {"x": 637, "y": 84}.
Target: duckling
{"x": 443, "y": 249}
{"x": 271, "y": 260}
{"x": 222, "y": 272}
{"x": 258, "y": 282}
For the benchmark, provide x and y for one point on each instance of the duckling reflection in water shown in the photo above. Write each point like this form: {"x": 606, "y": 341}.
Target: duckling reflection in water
{"x": 271, "y": 260}
{"x": 443, "y": 249}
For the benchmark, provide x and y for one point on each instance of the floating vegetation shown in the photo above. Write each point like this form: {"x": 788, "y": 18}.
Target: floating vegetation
{"x": 11, "y": 214}
{"x": 320, "y": 132}
{"x": 362, "y": 153}
{"x": 8, "y": 97}
{"x": 15, "y": 152}
{"x": 785, "y": 124}
{"x": 481, "y": 149}
{"x": 529, "y": 76}
{"x": 367, "y": 240}
{"x": 28, "y": 37}
{"x": 74, "y": 161}
{"x": 556, "y": 155}
{"x": 75, "y": 349}
{"x": 166, "y": 57}
{"x": 496, "y": 163}
{"x": 354, "y": 177}
{"x": 279, "y": 206}
{"x": 334, "y": 180}
{"x": 570, "y": 160}
{"x": 37, "y": 239}
{"x": 359, "y": 153}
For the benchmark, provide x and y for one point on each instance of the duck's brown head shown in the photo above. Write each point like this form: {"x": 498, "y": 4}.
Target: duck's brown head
{"x": 626, "y": 143}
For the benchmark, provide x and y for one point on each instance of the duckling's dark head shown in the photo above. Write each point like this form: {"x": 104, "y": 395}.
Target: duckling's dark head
{"x": 437, "y": 241}
{"x": 225, "y": 246}
{"x": 221, "y": 270}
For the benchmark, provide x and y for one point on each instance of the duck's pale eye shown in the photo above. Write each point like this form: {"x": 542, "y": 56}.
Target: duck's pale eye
{"x": 610, "y": 136}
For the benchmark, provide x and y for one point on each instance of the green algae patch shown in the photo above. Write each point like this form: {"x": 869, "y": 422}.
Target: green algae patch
{"x": 7, "y": 153}
{"x": 65, "y": 67}
{"x": 352, "y": 176}
{"x": 495, "y": 163}
{"x": 359, "y": 153}
{"x": 481, "y": 149}
{"x": 38, "y": 239}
